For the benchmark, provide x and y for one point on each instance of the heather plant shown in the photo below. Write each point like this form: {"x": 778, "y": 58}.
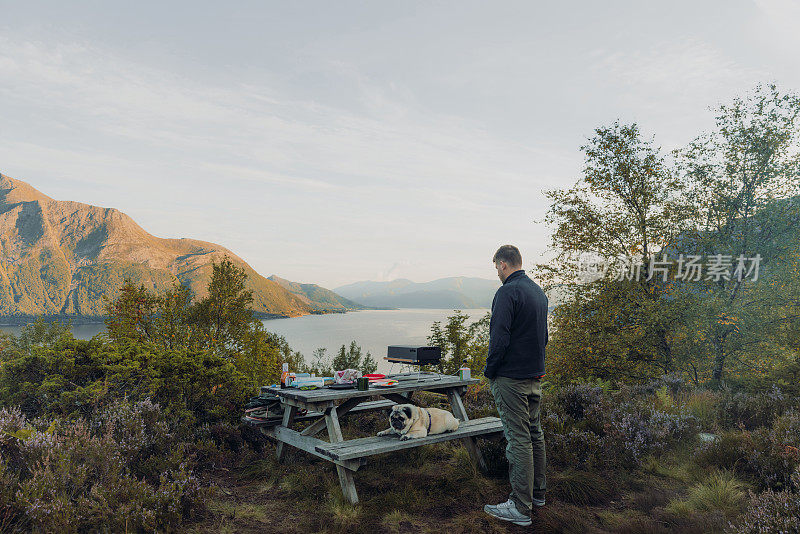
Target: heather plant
{"x": 95, "y": 475}
{"x": 575, "y": 406}
{"x": 676, "y": 383}
{"x": 765, "y": 456}
{"x": 479, "y": 402}
{"x": 10, "y": 514}
{"x": 142, "y": 435}
{"x": 772, "y": 511}
{"x": 640, "y": 430}
{"x": 587, "y": 428}
{"x": 579, "y": 400}
{"x": 579, "y": 449}
{"x": 751, "y": 410}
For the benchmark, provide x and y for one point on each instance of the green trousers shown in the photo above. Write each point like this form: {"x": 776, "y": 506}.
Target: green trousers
{"x": 518, "y": 405}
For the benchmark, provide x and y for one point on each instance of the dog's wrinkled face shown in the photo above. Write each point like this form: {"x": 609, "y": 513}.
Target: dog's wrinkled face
{"x": 400, "y": 417}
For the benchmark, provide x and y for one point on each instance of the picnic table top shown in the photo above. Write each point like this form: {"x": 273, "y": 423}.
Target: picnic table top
{"x": 407, "y": 382}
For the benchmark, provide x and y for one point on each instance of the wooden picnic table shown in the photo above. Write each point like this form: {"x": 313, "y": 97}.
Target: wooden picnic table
{"x": 325, "y": 406}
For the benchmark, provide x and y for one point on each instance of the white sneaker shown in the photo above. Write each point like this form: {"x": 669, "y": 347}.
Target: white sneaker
{"x": 538, "y": 502}
{"x": 507, "y": 511}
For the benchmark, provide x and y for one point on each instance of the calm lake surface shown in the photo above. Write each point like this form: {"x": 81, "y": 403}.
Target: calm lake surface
{"x": 80, "y": 331}
{"x": 373, "y": 330}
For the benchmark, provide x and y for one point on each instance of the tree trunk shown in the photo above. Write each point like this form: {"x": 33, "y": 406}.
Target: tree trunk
{"x": 666, "y": 352}
{"x": 719, "y": 362}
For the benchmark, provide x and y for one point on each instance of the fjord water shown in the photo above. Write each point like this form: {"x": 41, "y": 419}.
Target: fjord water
{"x": 79, "y": 331}
{"x": 373, "y": 330}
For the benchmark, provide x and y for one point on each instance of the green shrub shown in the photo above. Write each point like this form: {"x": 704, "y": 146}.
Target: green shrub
{"x": 580, "y": 449}
{"x": 586, "y": 428}
{"x": 479, "y": 401}
{"x": 73, "y": 378}
{"x": 634, "y": 431}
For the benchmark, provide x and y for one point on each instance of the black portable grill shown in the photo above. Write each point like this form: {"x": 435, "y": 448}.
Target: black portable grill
{"x": 413, "y": 355}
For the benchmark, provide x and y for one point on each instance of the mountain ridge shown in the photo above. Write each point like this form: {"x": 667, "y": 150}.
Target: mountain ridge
{"x": 317, "y": 295}
{"x": 450, "y": 292}
{"x": 60, "y": 258}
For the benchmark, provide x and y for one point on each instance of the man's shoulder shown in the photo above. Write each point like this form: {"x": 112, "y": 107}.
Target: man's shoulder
{"x": 530, "y": 288}
{"x": 505, "y": 289}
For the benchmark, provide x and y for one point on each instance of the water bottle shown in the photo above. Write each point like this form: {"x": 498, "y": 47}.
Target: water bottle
{"x": 464, "y": 372}
{"x": 284, "y": 375}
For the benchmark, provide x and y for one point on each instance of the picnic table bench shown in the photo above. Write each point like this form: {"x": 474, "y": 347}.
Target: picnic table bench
{"x": 325, "y": 406}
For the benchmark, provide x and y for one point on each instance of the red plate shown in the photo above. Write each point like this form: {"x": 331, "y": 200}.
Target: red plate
{"x": 374, "y": 376}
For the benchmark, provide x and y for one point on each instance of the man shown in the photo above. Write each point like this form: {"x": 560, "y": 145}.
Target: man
{"x": 514, "y": 367}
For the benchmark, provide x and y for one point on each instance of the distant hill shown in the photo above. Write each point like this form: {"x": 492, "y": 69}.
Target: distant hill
{"x": 60, "y": 258}
{"x": 318, "y": 298}
{"x": 453, "y": 293}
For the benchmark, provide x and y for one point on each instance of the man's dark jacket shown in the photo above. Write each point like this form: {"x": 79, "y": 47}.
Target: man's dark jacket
{"x": 518, "y": 329}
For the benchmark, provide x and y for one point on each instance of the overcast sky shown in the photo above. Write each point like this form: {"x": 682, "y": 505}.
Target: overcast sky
{"x": 331, "y": 142}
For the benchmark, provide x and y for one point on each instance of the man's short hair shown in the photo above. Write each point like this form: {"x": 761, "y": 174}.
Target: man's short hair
{"x": 509, "y": 254}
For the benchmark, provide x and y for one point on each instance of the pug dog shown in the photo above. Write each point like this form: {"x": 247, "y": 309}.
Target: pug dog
{"x": 415, "y": 422}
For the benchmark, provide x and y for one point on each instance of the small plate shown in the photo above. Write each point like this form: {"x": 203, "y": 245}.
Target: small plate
{"x": 374, "y": 376}
{"x": 342, "y": 386}
{"x": 384, "y": 383}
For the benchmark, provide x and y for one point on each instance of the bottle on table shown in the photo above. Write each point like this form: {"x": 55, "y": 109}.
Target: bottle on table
{"x": 284, "y": 375}
{"x": 464, "y": 372}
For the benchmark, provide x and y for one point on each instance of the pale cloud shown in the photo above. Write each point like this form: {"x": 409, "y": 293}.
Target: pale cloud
{"x": 684, "y": 67}
{"x": 227, "y": 124}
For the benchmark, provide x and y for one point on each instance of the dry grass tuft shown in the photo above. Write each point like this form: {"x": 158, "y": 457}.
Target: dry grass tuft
{"x": 344, "y": 517}
{"x": 721, "y": 491}
{"x": 580, "y": 487}
{"x": 630, "y": 522}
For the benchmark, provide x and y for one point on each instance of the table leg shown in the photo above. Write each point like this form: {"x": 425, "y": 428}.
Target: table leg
{"x": 321, "y": 423}
{"x": 399, "y": 398}
{"x": 469, "y": 442}
{"x": 345, "y": 475}
{"x": 288, "y": 417}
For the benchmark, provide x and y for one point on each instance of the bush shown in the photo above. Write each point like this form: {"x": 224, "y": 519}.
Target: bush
{"x": 579, "y": 401}
{"x": 114, "y": 473}
{"x": 702, "y": 405}
{"x": 479, "y": 401}
{"x": 637, "y": 431}
{"x": 74, "y": 378}
{"x": 772, "y": 511}
{"x": 751, "y": 411}
{"x": 766, "y": 456}
{"x": 494, "y": 455}
{"x": 142, "y": 435}
{"x": 587, "y": 428}
{"x": 579, "y": 449}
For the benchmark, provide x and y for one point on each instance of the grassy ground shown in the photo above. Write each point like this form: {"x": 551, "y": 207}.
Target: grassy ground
{"x": 435, "y": 488}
